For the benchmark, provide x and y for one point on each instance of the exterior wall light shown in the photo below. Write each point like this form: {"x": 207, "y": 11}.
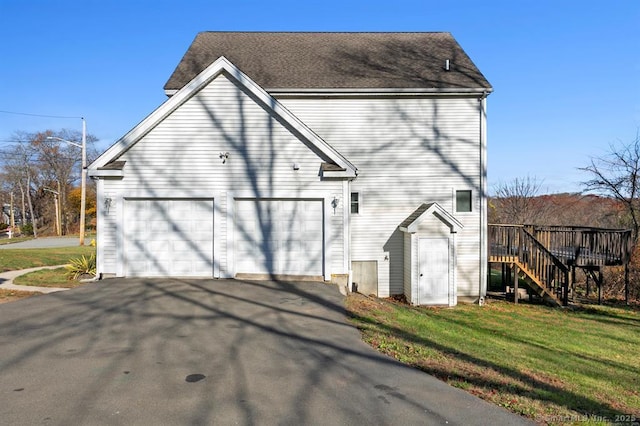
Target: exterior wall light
{"x": 107, "y": 204}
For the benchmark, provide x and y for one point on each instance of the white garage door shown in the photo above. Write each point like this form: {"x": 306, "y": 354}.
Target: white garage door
{"x": 169, "y": 238}
{"x": 279, "y": 237}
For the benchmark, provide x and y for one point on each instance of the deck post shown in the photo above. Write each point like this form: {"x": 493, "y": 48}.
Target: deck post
{"x": 599, "y": 286}
{"x": 565, "y": 296}
{"x": 515, "y": 284}
{"x": 626, "y": 283}
{"x": 573, "y": 283}
{"x": 520, "y": 243}
{"x": 505, "y": 276}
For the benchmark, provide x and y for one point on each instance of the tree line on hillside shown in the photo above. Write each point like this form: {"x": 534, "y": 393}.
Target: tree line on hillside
{"x": 519, "y": 203}
{"x": 611, "y": 198}
{"x": 39, "y": 183}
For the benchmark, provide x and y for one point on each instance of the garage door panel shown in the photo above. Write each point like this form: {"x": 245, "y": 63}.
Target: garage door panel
{"x": 137, "y": 267}
{"x": 169, "y": 238}
{"x": 182, "y": 225}
{"x": 194, "y": 245}
{"x": 312, "y": 225}
{"x": 158, "y": 225}
{"x": 182, "y": 268}
{"x": 289, "y": 242}
{"x": 204, "y": 226}
{"x": 162, "y": 257}
{"x": 158, "y": 246}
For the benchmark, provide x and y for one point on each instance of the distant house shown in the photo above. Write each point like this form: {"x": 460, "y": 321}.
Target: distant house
{"x": 353, "y": 157}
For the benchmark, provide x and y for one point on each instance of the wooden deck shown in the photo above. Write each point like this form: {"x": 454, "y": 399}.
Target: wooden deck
{"x": 548, "y": 255}
{"x": 581, "y": 246}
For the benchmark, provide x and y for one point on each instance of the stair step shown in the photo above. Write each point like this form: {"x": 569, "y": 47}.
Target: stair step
{"x": 537, "y": 286}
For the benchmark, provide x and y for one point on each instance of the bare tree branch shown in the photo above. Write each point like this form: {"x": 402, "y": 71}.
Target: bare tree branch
{"x": 617, "y": 174}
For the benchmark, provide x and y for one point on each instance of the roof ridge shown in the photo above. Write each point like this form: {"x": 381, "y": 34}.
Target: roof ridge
{"x": 322, "y": 32}
{"x": 335, "y": 60}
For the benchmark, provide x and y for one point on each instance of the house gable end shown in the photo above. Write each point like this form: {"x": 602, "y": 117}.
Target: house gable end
{"x": 221, "y": 136}
{"x": 257, "y": 94}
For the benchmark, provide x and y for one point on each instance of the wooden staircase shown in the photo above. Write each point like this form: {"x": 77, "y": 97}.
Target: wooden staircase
{"x": 545, "y": 273}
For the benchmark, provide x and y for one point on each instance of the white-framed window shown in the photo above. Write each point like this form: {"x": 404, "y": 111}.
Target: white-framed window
{"x": 463, "y": 201}
{"x": 355, "y": 203}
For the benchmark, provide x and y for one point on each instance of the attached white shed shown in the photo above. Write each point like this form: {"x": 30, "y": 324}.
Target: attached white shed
{"x": 430, "y": 256}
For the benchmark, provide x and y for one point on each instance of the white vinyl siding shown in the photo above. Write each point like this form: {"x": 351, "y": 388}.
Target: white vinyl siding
{"x": 408, "y": 151}
{"x": 180, "y": 158}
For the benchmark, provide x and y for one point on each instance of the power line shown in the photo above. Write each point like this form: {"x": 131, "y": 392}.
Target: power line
{"x": 39, "y": 115}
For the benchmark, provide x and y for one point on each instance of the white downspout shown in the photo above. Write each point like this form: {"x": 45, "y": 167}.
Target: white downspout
{"x": 483, "y": 199}
{"x": 346, "y": 217}
{"x": 101, "y": 205}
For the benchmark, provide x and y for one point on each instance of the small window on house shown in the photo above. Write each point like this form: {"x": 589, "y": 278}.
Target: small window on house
{"x": 463, "y": 201}
{"x": 355, "y": 202}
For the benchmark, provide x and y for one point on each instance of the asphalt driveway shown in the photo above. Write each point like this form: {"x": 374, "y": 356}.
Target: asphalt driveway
{"x": 201, "y": 352}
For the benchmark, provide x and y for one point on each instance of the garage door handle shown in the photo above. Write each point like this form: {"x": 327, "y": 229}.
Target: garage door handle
{"x": 421, "y": 274}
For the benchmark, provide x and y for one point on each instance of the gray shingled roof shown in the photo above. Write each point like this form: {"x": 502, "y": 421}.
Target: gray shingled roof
{"x": 335, "y": 60}
{"x": 415, "y": 215}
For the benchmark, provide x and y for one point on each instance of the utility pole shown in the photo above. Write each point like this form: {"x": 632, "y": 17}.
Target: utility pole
{"x": 56, "y": 203}
{"x": 12, "y": 219}
{"x": 83, "y": 175}
{"x": 83, "y": 197}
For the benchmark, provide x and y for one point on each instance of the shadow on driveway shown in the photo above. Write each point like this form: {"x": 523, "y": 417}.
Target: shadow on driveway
{"x": 171, "y": 351}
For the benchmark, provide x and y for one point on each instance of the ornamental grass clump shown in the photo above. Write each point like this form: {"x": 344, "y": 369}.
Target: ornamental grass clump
{"x": 81, "y": 266}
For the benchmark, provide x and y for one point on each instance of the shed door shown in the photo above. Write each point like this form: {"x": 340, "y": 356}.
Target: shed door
{"x": 169, "y": 238}
{"x": 433, "y": 282}
{"x": 279, "y": 237}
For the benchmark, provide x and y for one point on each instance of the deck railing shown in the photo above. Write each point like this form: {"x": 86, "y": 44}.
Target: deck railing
{"x": 581, "y": 246}
{"x": 515, "y": 244}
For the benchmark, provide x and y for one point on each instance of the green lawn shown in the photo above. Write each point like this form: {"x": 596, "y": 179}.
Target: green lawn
{"x": 13, "y": 259}
{"x": 48, "y": 278}
{"x": 543, "y": 363}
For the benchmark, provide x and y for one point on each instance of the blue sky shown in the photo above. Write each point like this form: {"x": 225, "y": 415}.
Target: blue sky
{"x": 566, "y": 74}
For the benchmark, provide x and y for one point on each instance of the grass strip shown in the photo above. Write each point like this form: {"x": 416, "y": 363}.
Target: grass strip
{"x": 15, "y": 259}
{"x": 547, "y": 364}
{"x": 13, "y": 295}
{"x": 47, "y": 278}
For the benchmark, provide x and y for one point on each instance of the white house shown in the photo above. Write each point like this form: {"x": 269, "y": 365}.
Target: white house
{"x": 353, "y": 157}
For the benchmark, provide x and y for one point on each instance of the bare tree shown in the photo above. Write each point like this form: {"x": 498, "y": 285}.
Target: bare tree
{"x": 616, "y": 174}
{"x": 58, "y": 165}
{"x": 19, "y": 174}
{"x": 35, "y": 162}
{"x": 517, "y": 202}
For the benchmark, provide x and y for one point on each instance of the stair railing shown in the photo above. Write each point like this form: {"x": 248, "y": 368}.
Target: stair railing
{"x": 514, "y": 242}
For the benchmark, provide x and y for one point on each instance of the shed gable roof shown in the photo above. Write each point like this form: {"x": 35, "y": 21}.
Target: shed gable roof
{"x": 221, "y": 65}
{"x": 305, "y": 60}
{"x": 411, "y": 223}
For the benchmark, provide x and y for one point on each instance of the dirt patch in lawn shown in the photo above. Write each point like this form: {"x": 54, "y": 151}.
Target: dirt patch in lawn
{"x": 13, "y": 295}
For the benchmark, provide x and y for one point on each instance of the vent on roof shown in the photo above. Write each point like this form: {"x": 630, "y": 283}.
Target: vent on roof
{"x": 447, "y": 65}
